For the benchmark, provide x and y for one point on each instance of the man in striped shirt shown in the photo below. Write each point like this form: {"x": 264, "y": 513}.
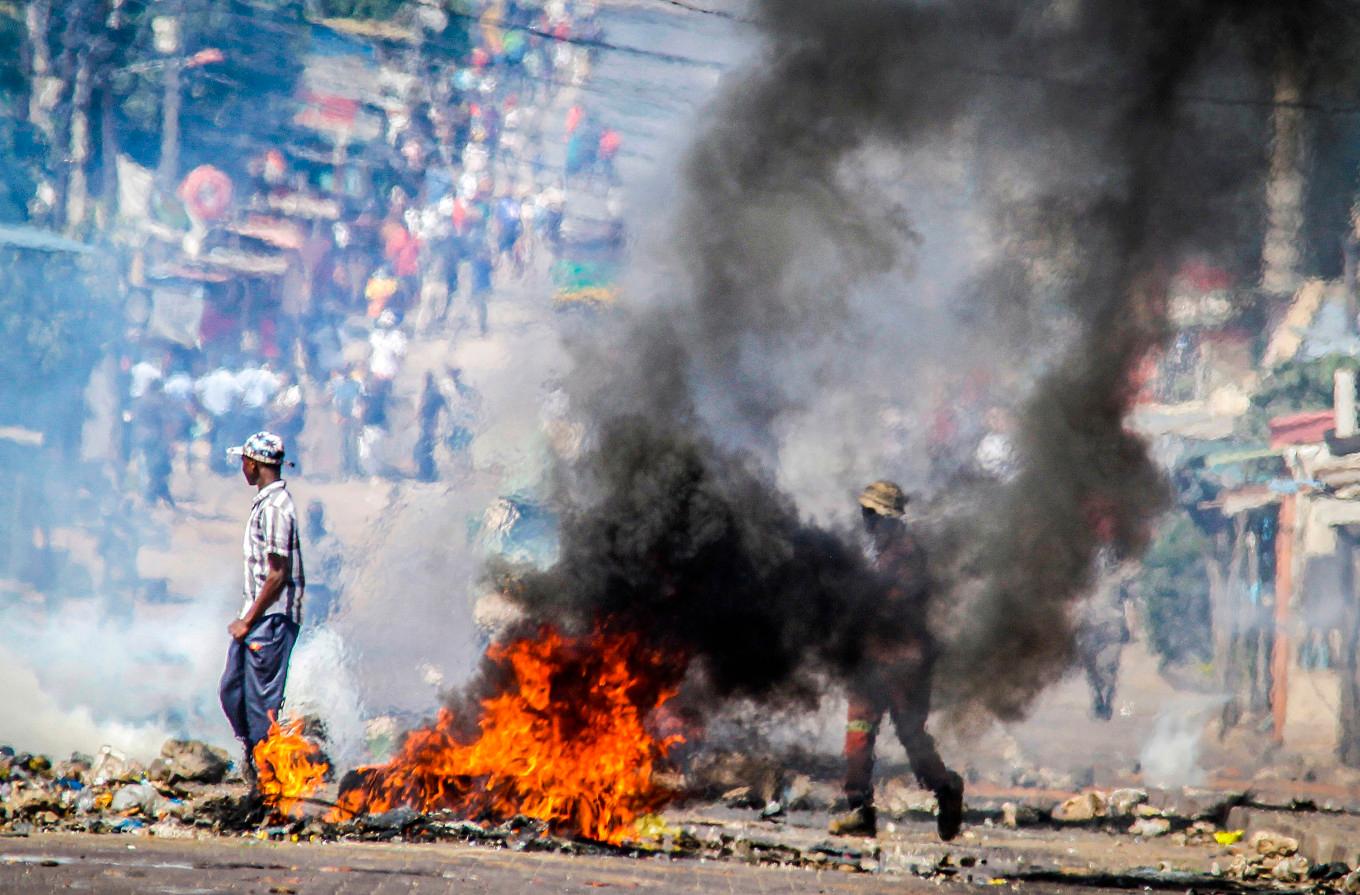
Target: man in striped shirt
{"x": 262, "y": 637}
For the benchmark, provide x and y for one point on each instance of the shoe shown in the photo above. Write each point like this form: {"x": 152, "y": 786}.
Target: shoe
{"x": 248, "y": 771}
{"x": 950, "y": 798}
{"x": 861, "y": 821}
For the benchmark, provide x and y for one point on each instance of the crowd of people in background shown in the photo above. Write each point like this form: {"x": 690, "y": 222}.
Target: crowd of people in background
{"x": 472, "y": 195}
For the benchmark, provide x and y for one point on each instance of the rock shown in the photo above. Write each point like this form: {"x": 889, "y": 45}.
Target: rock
{"x": 1194, "y": 803}
{"x": 1147, "y": 811}
{"x": 1292, "y": 869}
{"x": 672, "y": 781}
{"x": 168, "y": 829}
{"x": 158, "y": 770}
{"x": 395, "y": 820}
{"x": 1147, "y": 827}
{"x": 1242, "y": 867}
{"x": 224, "y": 810}
{"x": 195, "y": 761}
{"x": 740, "y": 797}
{"x": 715, "y": 773}
{"x": 1022, "y": 814}
{"x": 1331, "y": 870}
{"x": 30, "y": 800}
{"x": 1122, "y": 801}
{"x": 1080, "y": 808}
{"x": 1351, "y": 884}
{"x": 1267, "y": 844}
{"x": 900, "y": 797}
{"x": 798, "y": 793}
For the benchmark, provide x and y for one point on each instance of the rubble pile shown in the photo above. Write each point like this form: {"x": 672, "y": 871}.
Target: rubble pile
{"x": 191, "y": 791}
{"x": 179, "y": 791}
{"x": 1271, "y": 856}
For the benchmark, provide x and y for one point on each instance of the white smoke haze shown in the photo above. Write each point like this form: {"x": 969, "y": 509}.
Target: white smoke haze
{"x": 322, "y": 684}
{"x": 414, "y": 580}
{"x": 75, "y": 681}
{"x": 1170, "y": 758}
{"x": 34, "y": 719}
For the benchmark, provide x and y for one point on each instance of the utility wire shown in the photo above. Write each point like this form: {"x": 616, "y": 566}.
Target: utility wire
{"x": 720, "y": 13}
{"x": 1041, "y": 78}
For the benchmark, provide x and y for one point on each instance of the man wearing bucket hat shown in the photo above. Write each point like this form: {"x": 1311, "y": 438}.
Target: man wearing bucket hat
{"x": 895, "y": 676}
{"x": 262, "y": 636}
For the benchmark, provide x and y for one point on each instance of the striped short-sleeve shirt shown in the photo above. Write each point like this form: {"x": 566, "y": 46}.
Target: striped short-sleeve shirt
{"x": 273, "y": 529}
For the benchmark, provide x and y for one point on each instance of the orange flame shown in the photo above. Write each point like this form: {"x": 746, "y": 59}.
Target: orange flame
{"x": 289, "y": 765}
{"x": 565, "y": 742}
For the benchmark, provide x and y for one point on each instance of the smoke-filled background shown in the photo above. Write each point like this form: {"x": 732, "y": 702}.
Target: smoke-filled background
{"x": 1093, "y": 153}
{"x": 933, "y": 242}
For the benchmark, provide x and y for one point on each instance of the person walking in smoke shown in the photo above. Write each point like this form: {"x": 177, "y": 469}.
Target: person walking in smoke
{"x": 1102, "y": 626}
{"x": 1102, "y": 631}
{"x": 895, "y": 678}
{"x": 262, "y": 637}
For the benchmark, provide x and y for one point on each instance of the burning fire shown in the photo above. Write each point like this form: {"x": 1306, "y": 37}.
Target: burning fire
{"x": 290, "y": 766}
{"x": 565, "y": 741}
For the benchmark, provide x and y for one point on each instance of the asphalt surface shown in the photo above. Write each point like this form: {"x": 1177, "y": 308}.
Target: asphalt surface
{"x": 112, "y": 865}
{"x": 906, "y": 857}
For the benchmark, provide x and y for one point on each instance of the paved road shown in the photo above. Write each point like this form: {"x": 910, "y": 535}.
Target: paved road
{"x": 114, "y": 865}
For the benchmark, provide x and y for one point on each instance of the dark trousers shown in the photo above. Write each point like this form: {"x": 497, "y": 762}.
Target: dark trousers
{"x": 257, "y": 669}
{"x": 903, "y": 691}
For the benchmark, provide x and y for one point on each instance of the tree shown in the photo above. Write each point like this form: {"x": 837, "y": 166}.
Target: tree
{"x": 229, "y": 107}
{"x": 1175, "y": 589}
{"x": 1295, "y": 386}
{"x": 58, "y": 313}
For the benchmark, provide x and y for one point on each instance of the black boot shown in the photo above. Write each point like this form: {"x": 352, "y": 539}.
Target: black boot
{"x": 248, "y": 771}
{"x": 950, "y": 798}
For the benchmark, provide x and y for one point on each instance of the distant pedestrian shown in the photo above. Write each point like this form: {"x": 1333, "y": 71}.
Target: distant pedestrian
{"x": 432, "y": 404}
{"x": 345, "y": 393}
{"x": 327, "y": 563}
{"x": 262, "y": 637}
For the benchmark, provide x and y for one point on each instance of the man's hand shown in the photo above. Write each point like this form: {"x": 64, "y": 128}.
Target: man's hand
{"x": 238, "y": 629}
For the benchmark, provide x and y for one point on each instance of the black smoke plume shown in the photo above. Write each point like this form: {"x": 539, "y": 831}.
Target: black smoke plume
{"x": 1108, "y": 142}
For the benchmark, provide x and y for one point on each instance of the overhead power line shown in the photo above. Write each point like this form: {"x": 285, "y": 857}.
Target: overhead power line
{"x": 720, "y": 13}
{"x": 1040, "y": 78}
